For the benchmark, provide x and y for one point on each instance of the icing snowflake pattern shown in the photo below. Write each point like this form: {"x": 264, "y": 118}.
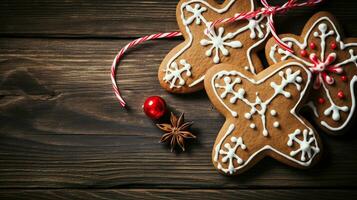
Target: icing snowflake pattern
{"x": 174, "y": 73}
{"x": 230, "y": 156}
{"x": 306, "y": 144}
{"x": 238, "y": 142}
{"x": 259, "y": 107}
{"x": 218, "y": 43}
{"x": 196, "y": 11}
{"x": 325, "y": 66}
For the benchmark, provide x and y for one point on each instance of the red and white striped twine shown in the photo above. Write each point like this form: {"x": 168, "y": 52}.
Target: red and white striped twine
{"x": 268, "y": 11}
{"x": 128, "y": 46}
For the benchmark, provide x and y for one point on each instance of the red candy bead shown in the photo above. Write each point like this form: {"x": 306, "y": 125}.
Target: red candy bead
{"x": 312, "y": 45}
{"x": 303, "y": 53}
{"x": 333, "y": 45}
{"x": 344, "y": 78}
{"x": 321, "y": 100}
{"x": 155, "y": 107}
{"x": 340, "y": 95}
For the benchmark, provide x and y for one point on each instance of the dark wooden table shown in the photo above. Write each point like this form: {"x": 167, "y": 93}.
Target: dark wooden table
{"x": 63, "y": 135}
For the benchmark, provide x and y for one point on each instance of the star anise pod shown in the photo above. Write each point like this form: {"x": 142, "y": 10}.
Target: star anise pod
{"x": 176, "y": 132}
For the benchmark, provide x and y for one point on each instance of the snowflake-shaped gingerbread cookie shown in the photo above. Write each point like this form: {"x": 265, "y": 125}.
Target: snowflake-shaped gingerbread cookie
{"x": 333, "y": 63}
{"x": 205, "y": 46}
{"x": 262, "y": 116}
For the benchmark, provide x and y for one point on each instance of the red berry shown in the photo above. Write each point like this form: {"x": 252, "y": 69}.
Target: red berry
{"x": 333, "y": 45}
{"x": 340, "y": 95}
{"x": 344, "y": 78}
{"x": 154, "y": 107}
{"x": 303, "y": 53}
{"x": 321, "y": 100}
{"x": 312, "y": 45}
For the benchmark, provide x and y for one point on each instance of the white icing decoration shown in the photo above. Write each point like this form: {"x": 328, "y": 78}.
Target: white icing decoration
{"x": 229, "y": 131}
{"x": 323, "y": 33}
{"x": 196, "y": 15}
{"x": 272, "y": 53}
{"x": 353, "y": 81}
{"x": 254, "y": 26}
{"x": 273, "y": 113}
{"x": 218, "y": 43}
{"x": 305, "y": 146}
{"x": 247, "y": 115}
{"x": 229, "y": 155}
{"x": 352, "y": 59}
{"x": 252, "y": 126}
{"x": 173, "y": 74}
{"x": 266, "y": 147}
{"x": 258, "y": 107}
{"x": 197, "y": 81}
{"x": 276, "y": 124}
{"x": 229, "y": 86}
{"x": 333, "y": 110}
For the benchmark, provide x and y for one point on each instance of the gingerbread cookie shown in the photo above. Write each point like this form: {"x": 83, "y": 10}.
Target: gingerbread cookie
{"x": 333, "y": 63}
{"x": 184, "y": 68}
{"x": 262, "y": 116}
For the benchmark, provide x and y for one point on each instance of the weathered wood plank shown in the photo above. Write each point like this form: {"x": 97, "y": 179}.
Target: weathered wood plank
{"x": 176, "y": 194}
{"x": 61, "y": 127}
{"x": 122, "y": 18}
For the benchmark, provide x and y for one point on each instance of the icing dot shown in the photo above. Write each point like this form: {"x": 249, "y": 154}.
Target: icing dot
{"x": 303, "y": 53}
{"x": 340, "y": 95}
{"x": 333, "y": 45}
{"x": 247, "y": 115}
{"x": 344, "y": 78}
{"x": 265, "y": 133}
{"x": 323, "y": 27}
{"x": 273, "y": 112}
{"x": 246, "y": 68}
{"x": 227, "y": 79}
{"x": 321, "y": 100}
{"x": 299, "y": 79}
{"x": 312, "y": 45}
{"x": 252, "y": 126}
{"x": 276, "y": 124}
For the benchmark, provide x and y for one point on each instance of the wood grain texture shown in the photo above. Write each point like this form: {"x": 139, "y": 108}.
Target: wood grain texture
{"x": 63, "y": 135}
{"x": 122, "y": 18}
{"x": 61, "y": 126}
{"x": 209, "y": 194}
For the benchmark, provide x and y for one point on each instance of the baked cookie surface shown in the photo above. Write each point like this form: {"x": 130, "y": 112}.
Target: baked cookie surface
{"x": 262, "y": 116}
{"x": 183, "y": 69}
{"x": 332, "y": 59}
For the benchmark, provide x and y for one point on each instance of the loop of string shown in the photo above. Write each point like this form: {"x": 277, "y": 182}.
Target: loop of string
{"x": 268, "y": 11}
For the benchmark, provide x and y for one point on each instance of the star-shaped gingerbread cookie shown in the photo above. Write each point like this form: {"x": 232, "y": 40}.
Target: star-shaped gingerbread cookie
{"x": 332, "y": 59}
{"x": 262, "y": 116}
{"x": 183, "y": 69}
